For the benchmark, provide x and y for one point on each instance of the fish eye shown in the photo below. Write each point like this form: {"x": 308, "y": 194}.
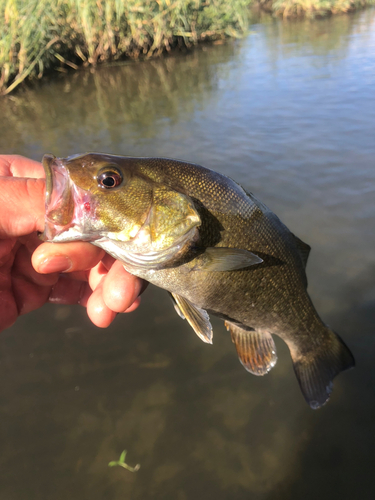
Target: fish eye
{"x": 109, "y": 178}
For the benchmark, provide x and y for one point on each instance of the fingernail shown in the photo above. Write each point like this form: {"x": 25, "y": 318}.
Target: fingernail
{"x": 56, "y": 264}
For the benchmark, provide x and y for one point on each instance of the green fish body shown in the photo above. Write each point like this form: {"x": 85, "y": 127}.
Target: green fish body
{"x": 212, "y": 245}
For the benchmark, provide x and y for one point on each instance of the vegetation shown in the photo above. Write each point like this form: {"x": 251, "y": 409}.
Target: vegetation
{"x": 121, "y": 463}
{"x": 36, "y": 35}
{"x": 316, "y": 8}
{"x": 40, "y": 34}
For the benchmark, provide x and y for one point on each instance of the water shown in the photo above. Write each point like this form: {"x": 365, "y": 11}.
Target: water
{"x": 289, "y": 112}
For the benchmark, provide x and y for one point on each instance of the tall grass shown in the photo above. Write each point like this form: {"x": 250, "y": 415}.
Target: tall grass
{"x": 316, "y": 8}
{"x": 40, "y": 34}
{"x": 36, "y": 35}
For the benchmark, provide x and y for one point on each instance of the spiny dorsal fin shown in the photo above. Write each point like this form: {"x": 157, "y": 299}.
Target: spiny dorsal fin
{"x": 256, "y": 349}
{"x": 197, "y": 318}
{"x": 303, "y": 248}
{"x": 225, "y": 259}
{"x": 315, "y": 370}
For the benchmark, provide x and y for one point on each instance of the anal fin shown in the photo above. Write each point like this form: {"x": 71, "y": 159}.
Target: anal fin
{"x": 256, "y": 349}
{"x": 197, "y": 318}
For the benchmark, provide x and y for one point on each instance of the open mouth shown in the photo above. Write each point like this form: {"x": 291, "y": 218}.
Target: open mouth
{"x": 59, "y": 201}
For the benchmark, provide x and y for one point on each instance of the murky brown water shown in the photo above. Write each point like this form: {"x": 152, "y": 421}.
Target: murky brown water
{"x": 289, "y": 112}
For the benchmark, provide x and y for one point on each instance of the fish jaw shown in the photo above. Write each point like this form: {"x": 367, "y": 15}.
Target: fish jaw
{"x": 69, "y": 209}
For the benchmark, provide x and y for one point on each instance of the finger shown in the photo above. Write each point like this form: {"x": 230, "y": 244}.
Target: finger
{"x": 29, "y": 296}
{"x": 87, "y": 292}
{"x": 8, "y": 308}
{"x": 134, "y": 306}
{"x": 68, "y": 291}
{"x": 66, "y": 257}
{"x": 96, "y": 274}
{"x": 108, "y": 261}
{"x": 79, "y": 275}
{"x": 31, "y": 242}
{"x": 120, "y": 289}
{"x": 7, "y": 250}
{"x": 22, "y": 206}
{"x": 31, "y": 289}
{"x": 19, "y": 166}
{"x": 23, "y": 269}
{"x": 99, "y": 313}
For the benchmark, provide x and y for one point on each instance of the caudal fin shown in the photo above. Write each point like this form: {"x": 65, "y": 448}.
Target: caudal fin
{"x": 316, "y": 369}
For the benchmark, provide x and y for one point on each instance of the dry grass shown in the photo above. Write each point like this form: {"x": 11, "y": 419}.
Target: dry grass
{"x": 316, "y": 8}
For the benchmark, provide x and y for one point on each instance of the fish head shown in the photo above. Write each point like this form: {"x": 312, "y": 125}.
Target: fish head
{"x": 111, "y": 200}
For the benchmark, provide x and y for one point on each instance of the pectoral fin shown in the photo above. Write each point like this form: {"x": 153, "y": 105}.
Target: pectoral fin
{"x": 197, "y": 318}
{"x": 256, "y": 350}
{"x": 225, "y": 259}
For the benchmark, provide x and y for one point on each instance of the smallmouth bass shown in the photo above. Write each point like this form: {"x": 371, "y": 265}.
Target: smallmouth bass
{"x": 212, "y": 245}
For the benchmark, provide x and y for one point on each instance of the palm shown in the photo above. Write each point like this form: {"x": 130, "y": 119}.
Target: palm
{"x": 22, "y": 288}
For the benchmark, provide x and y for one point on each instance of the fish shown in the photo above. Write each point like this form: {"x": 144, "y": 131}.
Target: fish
{"x": 211, "y": 244}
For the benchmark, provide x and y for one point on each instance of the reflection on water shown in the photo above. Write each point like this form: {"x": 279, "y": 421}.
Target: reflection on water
{"x": 117, "y": 102}
{"x": 290, "y": 113}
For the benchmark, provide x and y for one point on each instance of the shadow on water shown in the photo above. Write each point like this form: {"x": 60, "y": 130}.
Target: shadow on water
{"x": 289, "y": 112}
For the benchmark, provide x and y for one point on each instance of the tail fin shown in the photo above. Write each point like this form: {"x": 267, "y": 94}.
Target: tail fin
{"x": 316, "y": 369}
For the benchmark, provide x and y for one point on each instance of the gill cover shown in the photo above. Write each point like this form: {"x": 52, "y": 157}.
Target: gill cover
{"x": 170, "y": 227}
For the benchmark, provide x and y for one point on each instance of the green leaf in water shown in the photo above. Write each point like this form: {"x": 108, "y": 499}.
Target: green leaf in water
{"x": 121, "y": 462}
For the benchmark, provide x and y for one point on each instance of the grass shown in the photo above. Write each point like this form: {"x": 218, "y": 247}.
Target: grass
{"x": 40, "y": 35}
{"x": 316, "y": 8}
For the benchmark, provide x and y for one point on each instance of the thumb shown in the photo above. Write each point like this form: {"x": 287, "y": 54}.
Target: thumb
{"x": 21, "y": 206}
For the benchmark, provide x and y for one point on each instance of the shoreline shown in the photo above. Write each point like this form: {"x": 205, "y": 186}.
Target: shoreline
{"x": 39, "y": 37}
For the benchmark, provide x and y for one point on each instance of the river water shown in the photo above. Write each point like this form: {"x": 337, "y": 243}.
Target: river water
{"x": 289, "y": 112}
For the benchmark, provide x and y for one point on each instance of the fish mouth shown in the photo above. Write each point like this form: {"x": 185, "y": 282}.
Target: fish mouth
{"x": 59, "y": 201}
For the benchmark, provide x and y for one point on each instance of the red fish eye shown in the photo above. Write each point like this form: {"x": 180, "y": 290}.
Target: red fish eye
{"x": 109, "y": 179}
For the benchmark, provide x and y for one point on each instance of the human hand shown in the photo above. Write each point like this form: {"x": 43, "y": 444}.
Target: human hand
{"x": 33, "y": 273}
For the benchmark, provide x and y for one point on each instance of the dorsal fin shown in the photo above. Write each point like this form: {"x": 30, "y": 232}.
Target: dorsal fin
{"x": 256, "y": 349}
{"x": 303, "y": 249}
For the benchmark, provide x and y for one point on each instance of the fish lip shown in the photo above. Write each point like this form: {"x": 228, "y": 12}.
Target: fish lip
{"x": 58, "y": 199}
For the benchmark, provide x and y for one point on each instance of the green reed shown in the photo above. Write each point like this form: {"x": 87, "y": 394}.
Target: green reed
{"x": 38, "y": 35}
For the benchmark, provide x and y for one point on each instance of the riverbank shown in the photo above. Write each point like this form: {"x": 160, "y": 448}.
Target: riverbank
{"x": 39, "y": 35}
{"x": 315, "y": 8}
